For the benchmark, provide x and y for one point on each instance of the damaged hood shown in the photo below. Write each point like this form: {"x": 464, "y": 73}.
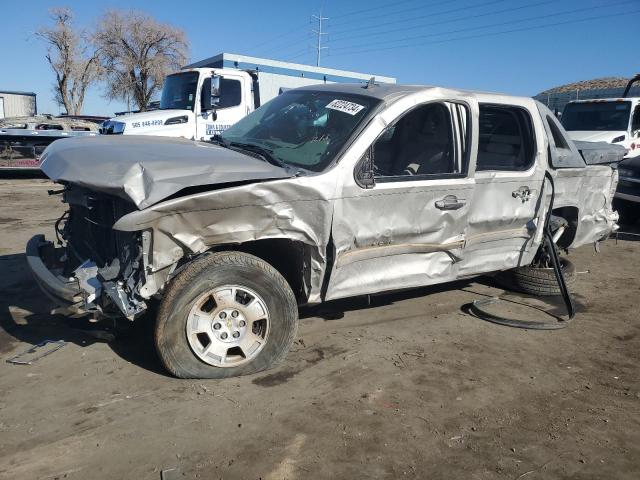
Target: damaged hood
{"x": 146, "y": 170}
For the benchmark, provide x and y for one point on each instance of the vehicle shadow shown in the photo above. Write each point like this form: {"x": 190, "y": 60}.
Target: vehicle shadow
{"x": 22, "y": 174}
{"x": 335, "y": 309}
{"x": 25, "y": 316}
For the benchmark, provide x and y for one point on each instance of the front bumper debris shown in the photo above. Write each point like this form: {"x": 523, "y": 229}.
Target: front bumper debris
{"x": 82, "y": 292}
{"x": 63, "y": 291}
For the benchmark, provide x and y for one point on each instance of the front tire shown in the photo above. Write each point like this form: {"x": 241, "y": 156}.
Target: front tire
{"x": 226, "y": 314}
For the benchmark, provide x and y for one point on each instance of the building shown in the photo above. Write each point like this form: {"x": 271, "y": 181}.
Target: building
{"x": 609, "y": 87}
{"x": 17, "y": 104}
{"x": 286, "y": 70}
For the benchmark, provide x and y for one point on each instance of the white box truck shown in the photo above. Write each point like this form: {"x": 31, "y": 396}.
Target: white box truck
{"x": 207, "y": 97}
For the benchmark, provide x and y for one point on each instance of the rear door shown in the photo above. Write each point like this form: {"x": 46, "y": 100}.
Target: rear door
{"x": 505, "y": 208}
{"x": 408, "y": 229}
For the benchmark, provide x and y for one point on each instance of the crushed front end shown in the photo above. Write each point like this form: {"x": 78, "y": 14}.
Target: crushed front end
{"x": 92, "y": 268}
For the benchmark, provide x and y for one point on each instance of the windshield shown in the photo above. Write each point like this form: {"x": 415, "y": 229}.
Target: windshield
{"x": 600, "y": 116}
{"x": 303, "y": 128}
{"x": 179, "y": 91}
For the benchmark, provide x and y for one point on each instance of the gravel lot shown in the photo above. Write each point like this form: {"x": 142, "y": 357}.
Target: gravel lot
{"x": 408, "y": 386}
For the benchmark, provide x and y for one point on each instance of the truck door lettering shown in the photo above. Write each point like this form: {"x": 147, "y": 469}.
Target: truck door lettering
{"x": 215, "y": 128}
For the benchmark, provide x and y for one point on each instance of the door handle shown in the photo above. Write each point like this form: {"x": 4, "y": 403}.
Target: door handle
{"x": 450, "y": 202}
{"x": 523, "y": 193}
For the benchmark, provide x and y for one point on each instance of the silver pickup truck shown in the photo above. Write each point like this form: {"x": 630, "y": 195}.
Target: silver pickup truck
{"x": 325, "y": 192}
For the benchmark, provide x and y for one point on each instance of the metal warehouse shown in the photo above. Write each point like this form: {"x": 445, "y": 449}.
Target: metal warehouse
{"x": 17, "y": 104}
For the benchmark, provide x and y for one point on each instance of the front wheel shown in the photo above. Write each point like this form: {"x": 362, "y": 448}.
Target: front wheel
{"x": 226, "y": 314}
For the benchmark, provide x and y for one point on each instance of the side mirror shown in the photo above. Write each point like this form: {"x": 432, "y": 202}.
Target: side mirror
{"x": 215, "y": 90}
{"x": 365, "y": 176}
{"x": 210, "y": 94}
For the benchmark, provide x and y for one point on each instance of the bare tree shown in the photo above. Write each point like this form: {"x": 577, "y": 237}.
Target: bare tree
{"x": 72, "y": 59}
{"x": 137, "y": 52}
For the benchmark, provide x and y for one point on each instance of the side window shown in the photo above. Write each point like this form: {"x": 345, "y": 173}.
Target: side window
{"x": 422, "y": 142}
{"x": 558, "y": 137}
{"x": 230, "y": 93}
{"x": 635, "y": 123}
{"x": 506, "y": 138}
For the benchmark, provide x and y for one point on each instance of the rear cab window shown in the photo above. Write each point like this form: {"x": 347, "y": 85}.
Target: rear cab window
{"x": 556, "y": 134}
{"x": 506, "y": 138}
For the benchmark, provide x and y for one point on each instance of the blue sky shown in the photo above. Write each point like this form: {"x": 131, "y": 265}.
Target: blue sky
{"x": 436, "y": 42}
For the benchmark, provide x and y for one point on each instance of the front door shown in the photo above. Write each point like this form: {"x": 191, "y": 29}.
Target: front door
{"x": 229, "y": 110}
{"x": 408, "y": 229}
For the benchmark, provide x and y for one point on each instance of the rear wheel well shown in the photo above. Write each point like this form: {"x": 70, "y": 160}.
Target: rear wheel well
{"x": 570, "y": 214}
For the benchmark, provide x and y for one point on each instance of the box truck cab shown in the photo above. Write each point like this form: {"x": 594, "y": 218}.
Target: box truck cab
{"x": 611, "y": 120}
{"x": 207, "y": 97}
{"x": 195, "y": 104}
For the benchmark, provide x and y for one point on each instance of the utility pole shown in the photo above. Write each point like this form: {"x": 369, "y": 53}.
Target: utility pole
{"x": 320, "y": 33}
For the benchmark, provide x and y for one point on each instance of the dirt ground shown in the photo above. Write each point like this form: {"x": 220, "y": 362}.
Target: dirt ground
{"x": 408, "y": 386}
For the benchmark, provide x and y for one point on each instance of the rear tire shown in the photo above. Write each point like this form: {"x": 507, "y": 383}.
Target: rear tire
{"x": 537, "y": 281}
{"x": 213, "y": 300}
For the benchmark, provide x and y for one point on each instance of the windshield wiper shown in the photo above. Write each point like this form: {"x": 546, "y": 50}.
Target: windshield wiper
{"x": 263, "y": 152}
{"x": 217, "y": 139}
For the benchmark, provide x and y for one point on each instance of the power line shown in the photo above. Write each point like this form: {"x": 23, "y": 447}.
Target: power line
{"x": 298, "y": 54}
{"x": 500, "y": 24}
{"x": 356, "y": 12}
{"x": 289, "y": 44}
{"x": 442, "y": 22}
{"x": 393, "y": 12}
{"x": 490, "y": 34}
{"x": 434, "y": 14}
{"x": 277, "y": 37}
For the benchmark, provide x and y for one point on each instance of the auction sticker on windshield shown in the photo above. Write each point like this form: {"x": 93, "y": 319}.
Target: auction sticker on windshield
{"x": 345, "y": 107}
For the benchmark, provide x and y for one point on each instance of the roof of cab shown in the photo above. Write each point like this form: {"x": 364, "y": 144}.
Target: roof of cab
{"x": 390, "y": 92}
{"x": 383, "y": 91}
